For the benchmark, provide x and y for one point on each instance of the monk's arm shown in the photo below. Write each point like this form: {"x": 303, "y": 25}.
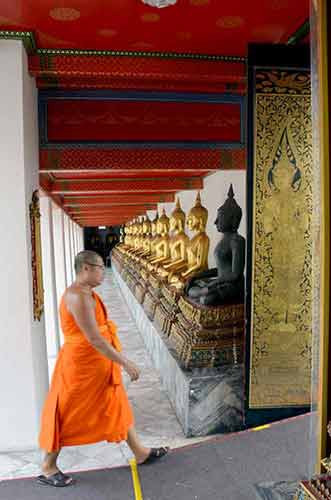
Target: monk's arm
{"x": 81, "y": 307}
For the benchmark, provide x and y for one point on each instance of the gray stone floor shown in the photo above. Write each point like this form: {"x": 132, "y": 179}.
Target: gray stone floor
{"x": 156, "y": 421}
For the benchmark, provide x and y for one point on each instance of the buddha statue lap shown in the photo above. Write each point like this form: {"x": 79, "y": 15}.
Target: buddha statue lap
{"x": 224, "y": 284}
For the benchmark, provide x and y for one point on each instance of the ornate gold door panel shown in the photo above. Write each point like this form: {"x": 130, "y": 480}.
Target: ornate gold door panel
{"x": 280, "y": 257}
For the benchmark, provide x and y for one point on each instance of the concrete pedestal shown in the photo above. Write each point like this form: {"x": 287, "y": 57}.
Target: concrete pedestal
{"x": 205, "y": 400}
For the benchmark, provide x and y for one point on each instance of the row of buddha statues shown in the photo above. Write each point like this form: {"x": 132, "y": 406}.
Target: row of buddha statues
{"x": 163, "y": 248}
{"x": 199, "y": 310}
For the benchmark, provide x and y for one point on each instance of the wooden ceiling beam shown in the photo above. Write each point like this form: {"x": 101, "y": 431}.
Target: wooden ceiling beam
{"x": 126, "y": 186}
{"x": 108, "y": 211}
{"x": 76, "y": 160}
{"x": 110, "y": 200}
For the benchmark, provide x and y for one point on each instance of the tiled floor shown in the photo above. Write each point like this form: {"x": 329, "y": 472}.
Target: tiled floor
{"x": 156, "y": 421}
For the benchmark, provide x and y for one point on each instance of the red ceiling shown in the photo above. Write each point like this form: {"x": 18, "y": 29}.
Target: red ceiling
{"x": 198, "y": 26}
{"x": 86, "y": 180}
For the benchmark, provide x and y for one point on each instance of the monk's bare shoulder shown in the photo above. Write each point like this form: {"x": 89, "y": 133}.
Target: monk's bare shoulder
{"x": 76, "y": 298}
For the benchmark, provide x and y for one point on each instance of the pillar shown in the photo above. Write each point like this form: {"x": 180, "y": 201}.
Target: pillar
{"x": 49, "y": 276}
{"x": 23, "y": 354}
{"x": 66, "y": 235}
{"x": 59, "y": 255}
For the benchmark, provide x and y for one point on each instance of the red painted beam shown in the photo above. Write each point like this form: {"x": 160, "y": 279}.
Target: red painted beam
{"x": 109, "y": 210}
{"x": 117, "y": 186}
{"x": 96, "y": 71}
{"x": 104, "y": 222}
{"x": 140, "y": 160}
{"x": 126, "y": 199}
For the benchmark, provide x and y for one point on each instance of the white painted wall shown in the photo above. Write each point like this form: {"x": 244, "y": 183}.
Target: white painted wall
{"x": 49, "y": 276}
{"x": 23, "y": 355}
{"x": 66, "y": 231}
{"x": 59, "y": 256}
{"x": 213, "y": 195}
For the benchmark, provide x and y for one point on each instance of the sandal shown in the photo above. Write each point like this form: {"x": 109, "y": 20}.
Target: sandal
{"x": 59, "y": 480}
{"x": 155, "y": 454}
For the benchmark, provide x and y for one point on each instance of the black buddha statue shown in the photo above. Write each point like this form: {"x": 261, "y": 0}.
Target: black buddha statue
{"x": 224, "y": 284}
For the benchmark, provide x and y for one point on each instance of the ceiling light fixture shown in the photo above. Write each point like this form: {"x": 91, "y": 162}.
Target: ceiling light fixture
{"x": 159, "y": 3}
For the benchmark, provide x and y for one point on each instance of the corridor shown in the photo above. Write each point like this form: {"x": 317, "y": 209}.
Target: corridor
{"x": 156, "y": 421}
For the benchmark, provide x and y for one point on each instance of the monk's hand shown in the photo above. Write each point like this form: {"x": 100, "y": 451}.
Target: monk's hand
{"x": 132, "y": 370}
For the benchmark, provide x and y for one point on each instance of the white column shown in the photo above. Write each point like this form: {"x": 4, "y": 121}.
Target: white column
{"x": 59, "y": 255}
{"x": 72, "y": 247}
{"x": 67, "y": 248}
{"x": 80, "y": 238}
{"x": 23, "y": 354}
{"x": 74, "y": 232}
{"x": 49, "y": 275}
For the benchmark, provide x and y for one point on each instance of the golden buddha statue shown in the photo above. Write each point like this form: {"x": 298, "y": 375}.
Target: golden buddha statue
{"x": 198, "y": 247}
{"x": 124, "y": 247}
{"x": 147, "y": 238}
{"x": 178, "y": 243}
{"x": 162, "y": 248}
{"x": 149, "y": 255}
{"x": 122, "y": 234}
{"x": 132, "y": 232}
{"x": 139, "y": 250}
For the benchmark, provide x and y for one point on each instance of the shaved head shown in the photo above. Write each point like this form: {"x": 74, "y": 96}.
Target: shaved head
{"x": 85, "y": 257}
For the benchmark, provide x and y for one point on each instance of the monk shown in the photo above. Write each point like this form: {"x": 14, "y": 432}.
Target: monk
{"x": 87, "y": 402}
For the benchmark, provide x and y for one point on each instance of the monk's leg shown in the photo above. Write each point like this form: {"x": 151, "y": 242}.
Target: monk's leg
{"x": 49, "y": 465}
{"x": 139, "y": 451}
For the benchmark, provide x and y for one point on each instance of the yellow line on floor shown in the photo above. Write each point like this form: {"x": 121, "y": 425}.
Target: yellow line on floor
{"x": 135, "y": 479}
{"x": 261, "y": 427}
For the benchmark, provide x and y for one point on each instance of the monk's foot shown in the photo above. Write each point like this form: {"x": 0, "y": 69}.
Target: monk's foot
{"x": 49, "y": 470}
{"x": 58, "y": 479}
{"x": 141, "y": 457}
{"x": 153, "y": 455}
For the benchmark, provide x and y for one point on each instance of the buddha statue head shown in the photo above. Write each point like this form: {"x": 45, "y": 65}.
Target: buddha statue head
{"x": 140, "y": 227}
{"x": 197, "y": 216}
{"x": 147, "y": 226}
{"x": 154, "y": 224}
{"x": 177, "y": 219}
{"x": 133, "y": 228}
{"x": 163, "y": 224}
{"x": 228, "y": 215}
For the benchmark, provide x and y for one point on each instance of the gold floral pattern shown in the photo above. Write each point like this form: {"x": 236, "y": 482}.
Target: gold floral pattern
{"x": 281, "y": 313}
{"x": 37, "y": 273}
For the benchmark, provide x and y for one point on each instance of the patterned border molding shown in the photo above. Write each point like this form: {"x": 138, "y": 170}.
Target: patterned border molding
{"x": 300, "y": 33}
{"x": 29, "y": 43}
{"x": 36, "y": 259}
{"x": 27, "y": 38}
{"x": 130, "y": 53}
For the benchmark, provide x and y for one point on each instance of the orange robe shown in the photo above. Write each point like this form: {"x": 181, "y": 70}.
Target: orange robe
{"x": 87, "y": 402}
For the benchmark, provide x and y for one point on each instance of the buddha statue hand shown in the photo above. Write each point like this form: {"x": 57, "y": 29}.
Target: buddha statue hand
{"x": 210, "y": 273}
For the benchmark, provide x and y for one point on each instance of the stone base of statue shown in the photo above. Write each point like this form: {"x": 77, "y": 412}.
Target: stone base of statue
{"x": 208, "y": 336}
{"x": 152, "y": 295}
{"x": 167, "y": 310}
{"x": 206, "y": 400}
{"x": 317, "y": 488}
{"x": 140, "y": 291}
{"x": 118, "y": 256}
